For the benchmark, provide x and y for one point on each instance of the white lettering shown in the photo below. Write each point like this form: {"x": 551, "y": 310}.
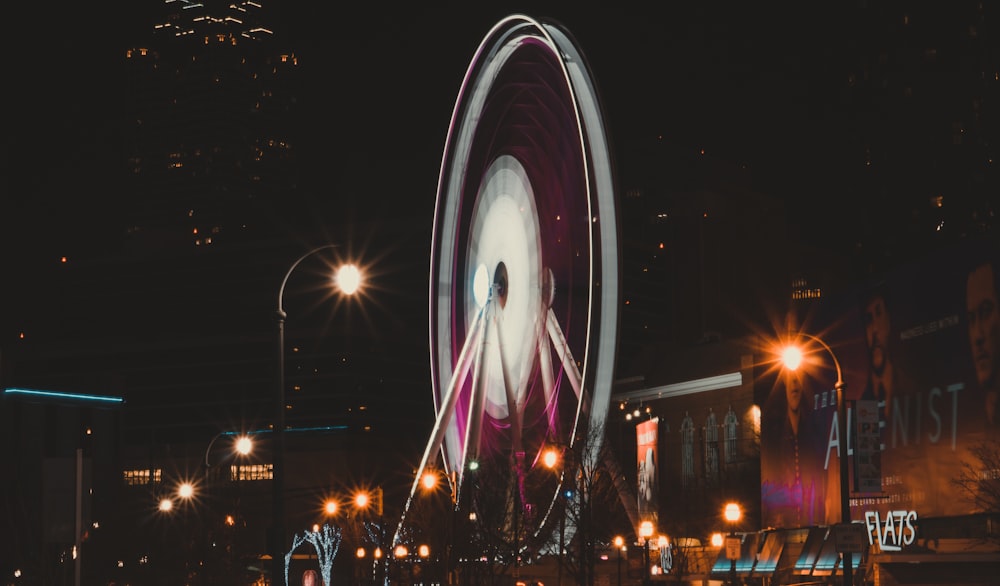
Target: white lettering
{"x": 833, "y": 441}
{"x": 871, "y": 523}
{"x": 912, "y": 420}
{"x": 895, "y": 532}
{"x": 890, "y": 530}
{"x": 910, "y": 532}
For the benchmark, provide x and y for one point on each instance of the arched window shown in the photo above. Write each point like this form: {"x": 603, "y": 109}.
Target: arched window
{"x": 687, "y": 451}
{"x": 731, "y": 422}
{"x": 711, "y": 448}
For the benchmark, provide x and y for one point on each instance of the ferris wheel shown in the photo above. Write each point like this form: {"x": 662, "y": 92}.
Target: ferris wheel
{"x": 524, "y": 266}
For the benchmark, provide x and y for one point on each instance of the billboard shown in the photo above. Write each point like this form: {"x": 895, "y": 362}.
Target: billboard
{"x": 647, "y": 466}
{"x": 919, "y": 352}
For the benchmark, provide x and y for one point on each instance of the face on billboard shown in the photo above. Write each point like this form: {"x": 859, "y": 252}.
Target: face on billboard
{"x": 793, "y": 390}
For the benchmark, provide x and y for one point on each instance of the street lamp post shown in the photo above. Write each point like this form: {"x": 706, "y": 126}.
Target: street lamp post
{"x": 348, "y": 279}
{"x": 645, "y": 532}
{"x": 241, "y": 445}
{"x": 733, "y": 513}
{"x": 792, "y": 357}
{"x": 553, "y": 458}
{"x": 619, "y": 544}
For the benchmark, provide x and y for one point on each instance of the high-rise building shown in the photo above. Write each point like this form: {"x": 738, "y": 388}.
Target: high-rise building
{"x": 210, "y": 126}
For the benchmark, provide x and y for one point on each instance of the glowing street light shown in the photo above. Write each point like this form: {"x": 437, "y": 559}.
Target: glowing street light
{"x": 732, "y": 513}
{"x": 716, "y": 539}
{"x": 244, "y": 445}
{"x": 241, "y": 445}
{"x": 552, "y": 459}
{"x": 185, "y": 490}
{"x": 429, "y": 480}
{"x": 620, "y": 546}
{"x": 645, "y": 532}
{"x": 348, "y": 280}
{"x": 791, "y": 358}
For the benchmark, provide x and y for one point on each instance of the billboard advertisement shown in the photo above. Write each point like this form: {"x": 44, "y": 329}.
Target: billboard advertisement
{"x": 646, "y": 434}
{"x": 919, "y": 354}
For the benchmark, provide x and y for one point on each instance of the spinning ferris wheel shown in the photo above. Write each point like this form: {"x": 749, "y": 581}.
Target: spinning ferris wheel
{"x": 524, "y": 266}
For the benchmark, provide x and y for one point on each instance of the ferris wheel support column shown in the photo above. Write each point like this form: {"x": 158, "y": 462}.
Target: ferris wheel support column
{"x": 470, "y": 448}
{"x": 565, "y": 354}
{"x": 514, "y": 407}
{"x": 444, "y": 415}
{"x": 545, "y": 368}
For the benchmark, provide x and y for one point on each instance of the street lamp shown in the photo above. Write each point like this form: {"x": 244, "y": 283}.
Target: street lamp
{"x": 732, "y": 513}
{"x": 348, "y": 280}
{"x": 791, "y": 357}
{"x": 645, "y": 532}
{"x": 619, "y": 545}
{"x": 553, "y": 458}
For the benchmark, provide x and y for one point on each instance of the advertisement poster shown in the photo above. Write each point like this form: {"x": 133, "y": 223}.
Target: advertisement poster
{"x": 921, "y": 345}
{"x": 648, "y": 470}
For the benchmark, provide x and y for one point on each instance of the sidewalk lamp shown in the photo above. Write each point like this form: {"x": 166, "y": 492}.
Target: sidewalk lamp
{"x": 619, "y": 545}
{"x": 552, "y": 458}
{"x": 792, "y": 357}
{"x": 645, "y": 532}
{"x": 733, "y": 514}
{"x": 348, "y": 280}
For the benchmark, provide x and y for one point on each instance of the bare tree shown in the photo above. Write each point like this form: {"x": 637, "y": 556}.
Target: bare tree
{"x": 589, "y": 511}
{"x": 979, "y": 479}
{"x": 325, "y": 541}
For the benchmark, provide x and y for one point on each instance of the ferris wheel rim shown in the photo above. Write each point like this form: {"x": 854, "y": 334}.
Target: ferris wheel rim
{"x": 597, "y": 360}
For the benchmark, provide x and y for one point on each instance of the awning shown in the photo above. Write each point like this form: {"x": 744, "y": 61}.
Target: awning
{"x": 826, "y": 562}
{"x": 819, "y": 556}
{"x": 810, "y": 551}
{"x": 770, "y": 552}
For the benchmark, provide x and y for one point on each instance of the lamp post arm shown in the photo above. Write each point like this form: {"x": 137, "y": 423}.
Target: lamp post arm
{"x": 209, "y": 448}
{"x": 291, "y": 269}
{"x": 836, "y": 363}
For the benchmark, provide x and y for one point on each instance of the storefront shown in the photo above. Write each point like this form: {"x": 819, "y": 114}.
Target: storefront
{"x": 942, "y": 551}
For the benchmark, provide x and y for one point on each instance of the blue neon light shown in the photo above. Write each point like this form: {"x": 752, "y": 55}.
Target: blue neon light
{"x": 70, "y": 396}
{"x": 289, "y": 430}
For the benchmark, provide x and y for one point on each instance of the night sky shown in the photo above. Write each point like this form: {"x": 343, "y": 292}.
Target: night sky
{"x": 746, "y": 84}
{"x": 790, "y": 91}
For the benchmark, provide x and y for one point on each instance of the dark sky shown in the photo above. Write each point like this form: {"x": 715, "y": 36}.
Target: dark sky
{"x": 761, "y": 85}
{"x": 740, "y": 81}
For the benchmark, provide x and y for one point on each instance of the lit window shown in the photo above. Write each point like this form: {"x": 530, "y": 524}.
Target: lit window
{"x": 142, "y": 477}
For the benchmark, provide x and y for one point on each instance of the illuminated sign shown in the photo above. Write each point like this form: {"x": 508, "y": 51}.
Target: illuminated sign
{"x": 893, "y": 532}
